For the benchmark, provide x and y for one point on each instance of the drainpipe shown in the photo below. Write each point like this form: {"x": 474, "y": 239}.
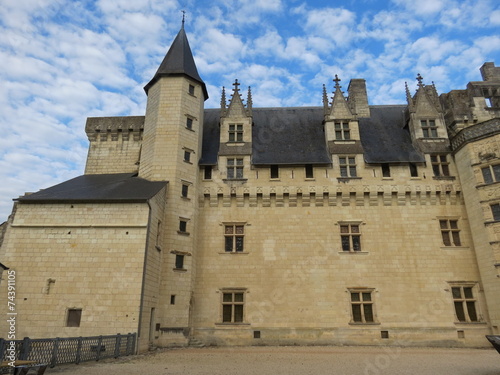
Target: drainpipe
{"x": 143, "y": 277}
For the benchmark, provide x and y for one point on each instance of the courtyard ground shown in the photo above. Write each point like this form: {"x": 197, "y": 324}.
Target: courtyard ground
{"x": 315, "y": 360}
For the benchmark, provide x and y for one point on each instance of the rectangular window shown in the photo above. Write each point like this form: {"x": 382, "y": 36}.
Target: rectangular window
{"x": 275, "y": 171}
{"x": 450, "y": 232}
{"x": 179, "y": 261}
{"x": 191, "y": 90}
{"x": 185, "y": 190}
{"x": 235, "y": 133}
{"x": 232, "y": 307}
{"x": 172, "y": 299}
{"x": 491, "y": 173}
{"x": 495, "y": 210}
{"x": 350, "y": 237}
{"x": 207, "y": 172}
{"x": 440, "y": 165}
{"x": 234, "y": 238}
{"x": 187, "y": 156}
{"x": 347, "y": 166}
{"x": 342, "y": 132}
{"x": 234, "y": 168}
{"x": 362, "y": 306}
{"x": 386, "y": 170}
{"x": 465, "y": 304}
{"x": 183, "y": 226}
{"x": 74, "y": 318}
{"x": 413, "y": 170}
{"x": 429, "y": 128}
{"x": 189, "y": 123}
{"x": 309, "y": 171}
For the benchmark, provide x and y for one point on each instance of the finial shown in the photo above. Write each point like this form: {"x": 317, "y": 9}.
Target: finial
{"x": 183, "y": 17}
{"x": 236, "y": 84}
{"x": 337, "y": 80}
{"x": 419, "y": 79}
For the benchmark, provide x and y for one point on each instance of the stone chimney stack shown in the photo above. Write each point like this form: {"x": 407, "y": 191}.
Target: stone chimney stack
{"x": 358, "y": 98}
{"x": 490, "y": 72}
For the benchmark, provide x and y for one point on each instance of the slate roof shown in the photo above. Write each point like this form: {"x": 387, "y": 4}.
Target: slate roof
{"x": 115, "y": 188}
{"x": 288, "y": 136}
{"x": 384, "y": 138}
{"x": 178, "y": 61}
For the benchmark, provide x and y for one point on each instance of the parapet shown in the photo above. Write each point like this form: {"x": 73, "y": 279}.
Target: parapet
{"x": 109, "y": 128}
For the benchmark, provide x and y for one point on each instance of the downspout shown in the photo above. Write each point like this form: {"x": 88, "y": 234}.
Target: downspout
{"x": 143, "y": 278}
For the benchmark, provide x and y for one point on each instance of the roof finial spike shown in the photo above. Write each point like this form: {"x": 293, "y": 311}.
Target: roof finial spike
{"x": 325, "y": 98}
{"x": 408, "y": 94}
{"x": 249, "y": 98}
{"x": 223, "y": 104}
{"x": 183, "y": 17}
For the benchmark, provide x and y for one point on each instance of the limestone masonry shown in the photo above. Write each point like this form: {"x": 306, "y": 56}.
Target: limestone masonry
{"x": 346, "y": 224}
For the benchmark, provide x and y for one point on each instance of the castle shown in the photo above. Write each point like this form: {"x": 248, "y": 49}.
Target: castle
{"x": 342, "y": 224}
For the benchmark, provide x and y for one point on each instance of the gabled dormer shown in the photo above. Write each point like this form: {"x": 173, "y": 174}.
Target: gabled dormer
{"x": 341, "y": 123}
{"x": 236, "y": 120}
{"x": 235, "y": 147}
{"x": 425, "y": 118}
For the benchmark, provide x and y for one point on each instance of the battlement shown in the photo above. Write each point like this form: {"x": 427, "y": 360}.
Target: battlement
{"x": 317, "y": 196}
{"x": 111, "y": 128}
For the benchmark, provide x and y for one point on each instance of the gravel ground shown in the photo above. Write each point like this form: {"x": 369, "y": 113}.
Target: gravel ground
{"x": 296, "y": 361}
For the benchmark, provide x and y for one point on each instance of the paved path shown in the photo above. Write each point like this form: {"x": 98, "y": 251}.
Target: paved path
{"x": 297, "y": 361}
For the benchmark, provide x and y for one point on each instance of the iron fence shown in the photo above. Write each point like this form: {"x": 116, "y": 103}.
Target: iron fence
{"x": 61, "y": 350}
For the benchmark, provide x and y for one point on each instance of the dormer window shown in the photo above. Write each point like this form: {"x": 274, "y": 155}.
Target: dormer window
{"x": 234, "y": 168}
{"x": 429, "y": 128}
{"x": 342, "y": 131}
{"x": 235, "y": 133}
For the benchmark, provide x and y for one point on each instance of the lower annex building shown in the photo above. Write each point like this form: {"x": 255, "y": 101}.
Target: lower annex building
{"x": 342, "y": 224}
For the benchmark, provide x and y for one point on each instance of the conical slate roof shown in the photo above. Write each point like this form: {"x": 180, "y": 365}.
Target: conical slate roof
{"x": 178, "y": 61}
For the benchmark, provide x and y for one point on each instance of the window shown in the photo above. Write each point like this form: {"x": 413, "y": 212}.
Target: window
{"x": 465, "y": 304}
{"x": 491, "y": 173}
{"x": 362, "y": 306}
{"x": 309, "y": 171}
{"x": 342, "y": 132}
{"x": 275, "y": 171}
{"x": 172, "y": 299}
{"x": 429, "y": 128}
{"x": 183, "y": 226}
{"x": 232, "y": 307}
{"x": 74, "y": 317}
{"x": 207, "y": 172}
{"x": 347, "y": 166}
{"x": 450, "y": 232}
{"x": 189, "y": 123}
{"x": 386, "y": 170}
{"x": 440, "y": 165}
{"x": 235, "y": 133}
{"x": 234, "y": 238}
{"x": 350, "y": 237}
{"x": 187, "y": 156}
{"x": 495, "y": 210}
{"x": 413, "y": 170}
{"x": 179, "y": 261}
{"x": 185, "y": 190}
{"x": 191, "y": 90}
{"x": 234, "y": 168}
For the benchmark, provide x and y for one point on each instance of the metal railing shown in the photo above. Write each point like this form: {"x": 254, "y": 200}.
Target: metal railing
{"x": 61, "y": 350}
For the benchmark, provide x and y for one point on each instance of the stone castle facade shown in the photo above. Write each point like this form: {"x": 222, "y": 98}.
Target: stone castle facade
{"x": 341, "y": 224}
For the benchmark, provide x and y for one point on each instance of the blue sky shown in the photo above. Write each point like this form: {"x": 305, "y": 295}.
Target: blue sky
{"x": 65, "y": 60}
